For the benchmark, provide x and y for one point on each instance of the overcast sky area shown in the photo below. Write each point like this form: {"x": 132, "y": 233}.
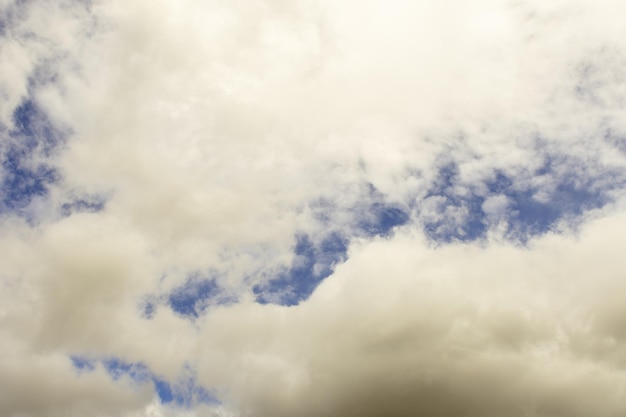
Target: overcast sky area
{"x": 312, "y": 208}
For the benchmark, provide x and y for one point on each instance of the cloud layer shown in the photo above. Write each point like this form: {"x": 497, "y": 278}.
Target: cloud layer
{"x": 312, "y": 208}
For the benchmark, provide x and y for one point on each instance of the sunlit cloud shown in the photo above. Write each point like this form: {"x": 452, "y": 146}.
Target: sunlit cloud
{"x": 279, "y": 208}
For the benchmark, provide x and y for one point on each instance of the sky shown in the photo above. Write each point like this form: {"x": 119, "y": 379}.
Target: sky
{"x": 277, "y": 208}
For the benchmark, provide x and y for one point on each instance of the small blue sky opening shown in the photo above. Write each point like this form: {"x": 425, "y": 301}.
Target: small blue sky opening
{"x": 316, "y": 258}
{"x": 83, "y": 364}
{"x": 185, "y": 392}
{"x": 117, "y": 368}
{"x": 312, "y": 263}
{"x": 574, "y": 191}
{"x": 24, "y": 152}
{"x": 197, "y": 294}
{"x": 376, "y": 216}
{"x": 446, "y": 228}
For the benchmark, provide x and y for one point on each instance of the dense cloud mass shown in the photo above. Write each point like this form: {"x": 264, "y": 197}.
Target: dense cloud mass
{"x": 311, "y": 208}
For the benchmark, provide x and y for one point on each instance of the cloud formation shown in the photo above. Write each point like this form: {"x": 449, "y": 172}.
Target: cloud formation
{"x": 402, "y": 329}
{"x": 312, "y": 208}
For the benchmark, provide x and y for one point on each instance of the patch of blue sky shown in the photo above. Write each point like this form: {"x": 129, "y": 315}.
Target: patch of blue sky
{"x": 34, "y": 128}
{"x": 83, "y": 364}
{"x": 567, "y": 189}
{"x": 316, "y": 258}
{"x": 376, "y": 216}
{"x": 26, "y": 173}
{"x": 458, "y": 216}
{"x": 195, "y": 296}
{"x": 312, "y": 263}
{"x": 372, "y": 216}
{"x": 22, "y": 181}
{"x": 185, "y": 392}
{"x": 382, "y": 218}
{"x": 531, "y": 201}
{"x": 118, "y": 368}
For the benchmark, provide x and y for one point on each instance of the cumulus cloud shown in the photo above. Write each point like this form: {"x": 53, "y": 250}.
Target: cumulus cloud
{"x": 403, "y": 329}
{"x": 278, "y": 208}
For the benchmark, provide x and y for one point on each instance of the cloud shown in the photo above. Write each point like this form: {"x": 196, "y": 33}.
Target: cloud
{"x": 403, "y": 329}
{"x": 319, "y": 208}
{"x": 47, "y": 385}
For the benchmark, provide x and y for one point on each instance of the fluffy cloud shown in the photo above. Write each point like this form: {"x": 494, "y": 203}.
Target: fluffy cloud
{"x": 403, "y": 329}
{"x": 434, "y": 189}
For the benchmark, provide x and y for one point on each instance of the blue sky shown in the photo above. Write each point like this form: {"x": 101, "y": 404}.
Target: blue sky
{"x": 302, "y": 208}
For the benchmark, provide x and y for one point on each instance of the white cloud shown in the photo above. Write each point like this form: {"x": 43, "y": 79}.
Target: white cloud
{"x": 496, "y": 206}
{"x": 402, "y": 329}
{"x": 217, "y": 133}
